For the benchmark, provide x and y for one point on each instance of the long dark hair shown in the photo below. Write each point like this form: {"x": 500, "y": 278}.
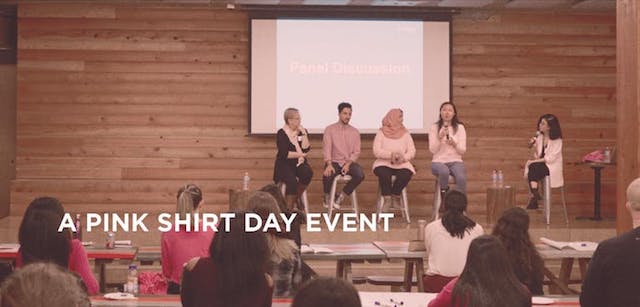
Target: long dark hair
{"x": 38, "y": 235}
{"x": 240, "y": 259}
{"x": 454, "y": 121}
{"x": 453, "y": 219}
{"x": 554, "y": 126}
{"x": 512, "y": 229}
{"x": 486, "y": 281}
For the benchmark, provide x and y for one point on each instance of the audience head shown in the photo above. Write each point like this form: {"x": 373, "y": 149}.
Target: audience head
{"x": 276, "y": 193}
{"x": 512, "y": 229}
{"x": 292, "y": 118}
{"x": 189, "y": 200}
{"x": 633, "y": 195}
{"x": 327, "y": 291}
{"x": 454, "y": 219}
{"x": 486, "y": 280}
{"x": 280, "y": 247}
{"x": 38, "y": 235}
{"x": 449, "y": 113}
{"x": 43, "y": 284}
{"x": 554, "y": 125}
{"x": 344, "y": 112}
{"x": 240, "y": 258}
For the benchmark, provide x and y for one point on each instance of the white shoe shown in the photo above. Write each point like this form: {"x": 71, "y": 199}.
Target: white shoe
{"x": 339, "y": 200}
{"x": 327, "y": 200}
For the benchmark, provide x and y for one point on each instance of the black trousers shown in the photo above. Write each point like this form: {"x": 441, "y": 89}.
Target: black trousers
{"x": 384, "y": 174}
{"x": 537, "y": 171}
{"x": 356, "y": 173}
{"x": 292, "y": 175}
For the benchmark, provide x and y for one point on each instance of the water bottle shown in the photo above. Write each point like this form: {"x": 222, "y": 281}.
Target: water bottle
{"x": 421, "y": 225}
{"x": 132, "y": 280}
{"x": 500, "y": 179}
{"x": 494, "y": 178}
{"x": 78, "y": 233}
{"x": 607, "y": 155}
{"x": 245, "y": 181}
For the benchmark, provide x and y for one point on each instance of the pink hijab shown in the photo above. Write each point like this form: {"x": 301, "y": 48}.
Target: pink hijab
{"x": 392, "y": 126}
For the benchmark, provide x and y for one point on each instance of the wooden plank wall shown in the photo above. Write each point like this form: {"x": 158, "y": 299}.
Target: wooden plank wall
{"x": 120, "y": 105}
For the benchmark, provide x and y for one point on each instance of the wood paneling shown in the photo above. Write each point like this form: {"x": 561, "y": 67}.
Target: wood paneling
{"x": 119, "y": 105}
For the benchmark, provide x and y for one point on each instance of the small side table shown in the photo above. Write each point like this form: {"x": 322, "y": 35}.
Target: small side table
{"x": 498, "y": 200}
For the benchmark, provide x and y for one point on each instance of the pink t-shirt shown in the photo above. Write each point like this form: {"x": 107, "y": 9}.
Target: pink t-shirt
{"x": 179, "y": 247}
{"x": 78, "y": 263}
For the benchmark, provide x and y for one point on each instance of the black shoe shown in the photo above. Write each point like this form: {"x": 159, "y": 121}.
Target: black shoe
{"x": 533, "y": 203}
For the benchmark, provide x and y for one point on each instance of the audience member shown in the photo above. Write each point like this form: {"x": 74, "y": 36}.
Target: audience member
{"x": 327, "y": 291}
{"x": 613, "y": 274}
{"x": 447, "y": 143}
{"x": 393, "y": 148}
{"x": 291, "y": 166}
{"x": 235, "y": 273}
{"x": 42, "y": 284}
{"x": 485, "y": 281}
{"x": 341, "y": 150}
{"x": 447, "y": 241}
{"x": 284, "y": 257}
{"x": 180, "y": 246}
{"x": 512, "y": 229}
{"x": 40, "y": 240}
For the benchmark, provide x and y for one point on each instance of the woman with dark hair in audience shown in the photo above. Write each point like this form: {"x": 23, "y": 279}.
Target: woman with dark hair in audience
{"x": 447, "y": 241}
{"x": 180, "y": 246}
{"x": 512, "y": 230}
{"x": 547, "y": 160}
{"x": 235, "y": 274}
{"x": 284, "y": 255}
{"x": 291, "y": 166}
{"x": 394, "y": 149}
{"x": 485, "y": 280}
{"x": 40, "y": 240}
{"x": 43, "y": 285}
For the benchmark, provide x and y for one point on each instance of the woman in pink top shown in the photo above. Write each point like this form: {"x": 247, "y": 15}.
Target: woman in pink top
{"x": 180, "y": 246}
{"x": 393, "y": 148}
{"x": 447, "y": 143}
{"x": 486, "y": 281}
{"x": 40, "y": 241}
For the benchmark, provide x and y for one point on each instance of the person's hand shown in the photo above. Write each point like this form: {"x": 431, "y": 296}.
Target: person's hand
{"x": 443, "y": 132}
{"x": 303, "y": 155}
{"x": 451, "y": 142}
{"x": 328, "y": 171}
{"x": 302, "y": 130}
{"x": 345, "y": 168}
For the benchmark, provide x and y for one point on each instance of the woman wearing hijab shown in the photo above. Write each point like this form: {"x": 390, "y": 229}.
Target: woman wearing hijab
{"x": 393, "y": 148}
{"x": 291, "y": 165}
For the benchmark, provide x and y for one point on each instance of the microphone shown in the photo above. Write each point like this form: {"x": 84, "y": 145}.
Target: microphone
{"x": 534, "y": 141}
{"x": 446, "y": 127}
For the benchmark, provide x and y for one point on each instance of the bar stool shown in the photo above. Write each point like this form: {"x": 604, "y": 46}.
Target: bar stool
{"x": 437, "y": 198}
{"x": 546, "y": 186}
{"x": 334, "y": 186}
{"x": 303, "y": 198}
{"x": 404, "y": 202}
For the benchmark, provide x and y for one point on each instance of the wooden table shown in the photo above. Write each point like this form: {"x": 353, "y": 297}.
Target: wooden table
{"x": 346, "y": 254}
{"x": 561, "y": 282}
{"x": 597, "y": 184}
{"x": 498, "y": 200}
{"x": 162, "y": 301}
{"x": 412, "y": 261}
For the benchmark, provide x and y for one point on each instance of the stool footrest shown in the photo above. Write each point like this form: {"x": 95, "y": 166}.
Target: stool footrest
{"x": 389, "y": 280}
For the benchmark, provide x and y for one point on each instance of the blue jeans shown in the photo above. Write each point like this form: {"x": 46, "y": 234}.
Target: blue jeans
{"x": 455, "y": 169}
